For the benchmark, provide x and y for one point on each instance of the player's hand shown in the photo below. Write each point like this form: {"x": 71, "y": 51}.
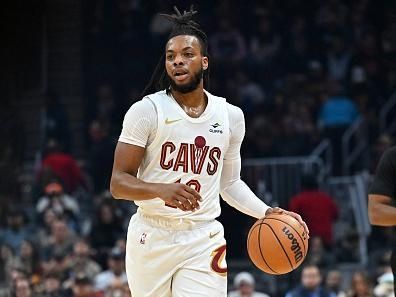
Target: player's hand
{"x": 180, "y": 195}
{"x": 290, "y": 213}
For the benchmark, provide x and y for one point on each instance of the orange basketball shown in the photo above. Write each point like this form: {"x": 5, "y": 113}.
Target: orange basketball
{"x": 277, "y": 244}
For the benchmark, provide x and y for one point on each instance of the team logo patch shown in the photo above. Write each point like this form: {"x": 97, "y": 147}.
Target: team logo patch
{"x": 218, "y": 261}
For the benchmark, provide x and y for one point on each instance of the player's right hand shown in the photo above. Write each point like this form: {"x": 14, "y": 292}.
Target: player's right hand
{"x": 180, "y": 195}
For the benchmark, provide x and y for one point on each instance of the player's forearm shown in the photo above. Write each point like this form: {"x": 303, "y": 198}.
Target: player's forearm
{"x": 240, "y": 196}
{"x": 382, "y": 214}
{"x": 128, "y": 187}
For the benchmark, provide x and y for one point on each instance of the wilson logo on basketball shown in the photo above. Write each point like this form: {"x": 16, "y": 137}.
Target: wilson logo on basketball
{"x": 295, "y": 246}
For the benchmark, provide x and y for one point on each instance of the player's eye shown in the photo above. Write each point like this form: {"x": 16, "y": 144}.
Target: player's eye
{"x": 189, "y": 55}
{"x": 169, "y": 57}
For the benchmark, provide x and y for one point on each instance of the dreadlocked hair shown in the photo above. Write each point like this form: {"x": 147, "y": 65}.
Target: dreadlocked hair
{"x": 183, "y": 24}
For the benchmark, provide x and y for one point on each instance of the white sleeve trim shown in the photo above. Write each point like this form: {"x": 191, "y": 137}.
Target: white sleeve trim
{"x": 130, "y": 141}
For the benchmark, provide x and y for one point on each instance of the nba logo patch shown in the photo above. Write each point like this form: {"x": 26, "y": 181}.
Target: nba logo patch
{"x": 143, "y": 238}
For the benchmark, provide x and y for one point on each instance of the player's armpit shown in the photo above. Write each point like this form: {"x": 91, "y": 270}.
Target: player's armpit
{"x": 380, "y": 210}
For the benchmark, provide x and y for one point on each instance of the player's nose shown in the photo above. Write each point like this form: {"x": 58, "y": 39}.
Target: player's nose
{"x": 178, "y": 60}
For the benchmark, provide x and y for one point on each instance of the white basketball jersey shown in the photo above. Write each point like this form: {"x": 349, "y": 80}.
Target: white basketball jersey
{"x": 187, "y": 150}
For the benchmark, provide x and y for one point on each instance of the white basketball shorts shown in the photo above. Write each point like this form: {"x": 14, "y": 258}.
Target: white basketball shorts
{"x": 175, "y": 257}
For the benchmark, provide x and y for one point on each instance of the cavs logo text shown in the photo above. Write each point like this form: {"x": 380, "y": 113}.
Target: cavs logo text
{"x": 190, "y": 157}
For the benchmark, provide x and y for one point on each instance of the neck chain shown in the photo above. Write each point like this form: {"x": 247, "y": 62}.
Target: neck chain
{"x": 193, "y": 111}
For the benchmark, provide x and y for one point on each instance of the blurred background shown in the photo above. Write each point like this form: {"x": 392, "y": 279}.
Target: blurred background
{"x": 315, "y": 79}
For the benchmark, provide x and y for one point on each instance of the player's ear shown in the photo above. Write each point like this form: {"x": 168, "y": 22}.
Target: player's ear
{"x": 205, "y": 63}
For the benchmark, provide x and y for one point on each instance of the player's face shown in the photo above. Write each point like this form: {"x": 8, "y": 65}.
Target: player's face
{"x": 184, "y": 63}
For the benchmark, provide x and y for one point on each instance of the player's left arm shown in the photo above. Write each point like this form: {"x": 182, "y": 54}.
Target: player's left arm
{"x": 232, "y": 189}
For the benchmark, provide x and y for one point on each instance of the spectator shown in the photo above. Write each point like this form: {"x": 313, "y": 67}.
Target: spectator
{"x": 60, "y": 203}
{"x": 44, "y": 226}
{"x": 106, "y": 230}
{"x": 6, "y": 263}
{"x": 317, "y": 209}
{"x": 52, "y": 285}
{"x": 23, "y": 288}
{"x": 310, "y": 284}
{"x": 107, "y": 107}
{"x": 120, "y": 291}
{"x": 317, "y": 254}
{"x": 336, "y": 114}
{"x": 227, "y": 44}
{"x": 297, "y": 57}
{"x": 29, "y": 258}
{"x": 338, "y": 59}
{"x": 266, "y": 43}
{"x": 58, "y": 263}
{"x": 54, "y": 121}
{"x": 291, "y": 141}
{"x": 346, "y": 247}
{"x": 121, "y": 244}
{"x": 101, "y": 155}
{"x": 250, "y": 93}
{"x": 244, "y": 284}
{"x": 384, "y": 288}
{"x": 333, "y": 283}
{"x": 115, "y": 276}
{"x": 361, "y": 285}
{"x": 338, "y": 110}
{"x": 81, "y": 261}
{"x": 83, "y": 287}
{"x": 61, "y": 240}
{"x": 16, "y": 231}
{"x": 63, "y": 165}
{"x": 14, "y": 275}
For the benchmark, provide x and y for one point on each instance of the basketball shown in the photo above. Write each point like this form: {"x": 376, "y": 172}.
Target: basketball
{"x": 277, "y": 244}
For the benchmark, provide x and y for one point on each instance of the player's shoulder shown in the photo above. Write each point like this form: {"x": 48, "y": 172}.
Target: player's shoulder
{"x": 140, "y": 109}
{"x": 144, "y": 105}
{"x": 235, "y": 110}
{"x": 235, "y": 114}
{"x": 157, "y": 95}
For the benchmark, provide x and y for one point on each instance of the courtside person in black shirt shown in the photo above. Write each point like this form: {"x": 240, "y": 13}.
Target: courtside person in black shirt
{"x": 382, "y": 198}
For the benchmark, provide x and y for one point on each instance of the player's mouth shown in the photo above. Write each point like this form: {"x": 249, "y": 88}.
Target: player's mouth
{"x": 180, "y": 74}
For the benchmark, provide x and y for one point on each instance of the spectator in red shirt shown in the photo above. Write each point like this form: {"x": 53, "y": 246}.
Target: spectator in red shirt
{"x": 316, "y": 208}
{"x": 63, "y": 165}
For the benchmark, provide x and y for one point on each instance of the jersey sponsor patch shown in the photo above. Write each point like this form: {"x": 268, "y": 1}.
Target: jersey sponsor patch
{"x": 215, "y": 129}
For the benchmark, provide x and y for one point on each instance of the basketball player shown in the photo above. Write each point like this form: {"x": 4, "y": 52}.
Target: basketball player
{"x": 179, "y": 148}
{"x": 382, "y": 198}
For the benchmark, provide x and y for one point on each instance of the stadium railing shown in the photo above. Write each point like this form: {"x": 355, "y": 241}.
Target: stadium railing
{"x": 387, "y": 119}
{"x": 355, "y": 147}
{"x": 282, "y": 176}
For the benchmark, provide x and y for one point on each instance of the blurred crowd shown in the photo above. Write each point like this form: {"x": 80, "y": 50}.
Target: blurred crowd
{"x": 311, "y": 67}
